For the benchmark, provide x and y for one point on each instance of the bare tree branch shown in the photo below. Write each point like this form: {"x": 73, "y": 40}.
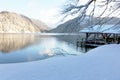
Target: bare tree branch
{"x": 74, "y": 9}
{"x": 81, "y": 10}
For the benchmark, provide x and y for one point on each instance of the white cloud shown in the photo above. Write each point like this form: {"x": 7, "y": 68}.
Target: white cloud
{"x": 50, "y": 16}
{"x": 46, "y": 13}
{"x": 33, "y": 4}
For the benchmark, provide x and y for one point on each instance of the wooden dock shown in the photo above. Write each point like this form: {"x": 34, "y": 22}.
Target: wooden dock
{"x": 94, "y": 39}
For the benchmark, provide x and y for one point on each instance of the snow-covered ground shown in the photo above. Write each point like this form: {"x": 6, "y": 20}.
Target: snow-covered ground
{"x": 102, "y": 63}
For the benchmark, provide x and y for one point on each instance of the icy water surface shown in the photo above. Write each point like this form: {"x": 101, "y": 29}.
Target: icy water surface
{"x": 16, "y": 48}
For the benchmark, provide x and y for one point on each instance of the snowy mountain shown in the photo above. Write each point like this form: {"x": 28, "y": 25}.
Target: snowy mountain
{"x": 73, "y": 26}
{"x": 15, "y": 23}
{"x": 41, "y": 25}
{"x": 68, "y": 27}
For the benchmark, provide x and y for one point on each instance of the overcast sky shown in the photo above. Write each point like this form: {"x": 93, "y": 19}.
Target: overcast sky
{"x": 45, "y": 10}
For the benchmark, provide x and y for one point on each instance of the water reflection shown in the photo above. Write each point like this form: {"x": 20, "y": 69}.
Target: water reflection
{"x": 27, "y": 47}
{"x": 12, "y": 42}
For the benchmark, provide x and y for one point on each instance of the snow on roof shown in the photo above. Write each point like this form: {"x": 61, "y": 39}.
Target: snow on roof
{"x": 103, "y": 29}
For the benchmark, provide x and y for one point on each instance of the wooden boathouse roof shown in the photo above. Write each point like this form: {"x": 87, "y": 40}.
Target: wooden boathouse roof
{"x": 110, "y": 29}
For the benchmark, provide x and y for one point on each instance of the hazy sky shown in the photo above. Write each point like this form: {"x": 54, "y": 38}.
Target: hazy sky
{"x": 45, "y": 10}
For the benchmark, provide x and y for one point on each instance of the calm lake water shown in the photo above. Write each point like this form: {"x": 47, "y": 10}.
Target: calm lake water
{"x": 16, "y": 48}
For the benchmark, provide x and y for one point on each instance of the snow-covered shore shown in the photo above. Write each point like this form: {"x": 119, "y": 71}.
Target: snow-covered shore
{"x": 101, "y": 63}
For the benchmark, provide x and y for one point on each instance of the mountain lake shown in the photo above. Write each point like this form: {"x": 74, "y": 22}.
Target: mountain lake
{"x": 16, "y": 48}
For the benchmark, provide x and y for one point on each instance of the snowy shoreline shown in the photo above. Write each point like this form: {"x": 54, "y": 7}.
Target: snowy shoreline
{"x": 101, "y": 63}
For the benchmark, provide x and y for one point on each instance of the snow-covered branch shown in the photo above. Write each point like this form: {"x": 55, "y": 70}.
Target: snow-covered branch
{"x": 103, "y": 9}
{"x": 71, "y": 8}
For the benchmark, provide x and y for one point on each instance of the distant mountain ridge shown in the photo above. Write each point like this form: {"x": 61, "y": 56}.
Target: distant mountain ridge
{"x": 73, "y": 26}
{"x": 67, "y": 27}
{"x": 11, "y": 22}
{"x": 41, "y": 25}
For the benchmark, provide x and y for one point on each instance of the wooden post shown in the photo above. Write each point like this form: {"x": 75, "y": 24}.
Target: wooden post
{"x": 87, "y": 35}
{"x": 117, "y": 38}
{"x": 95, "y": 36}
{"x": 105, "y": 38}
{"x": 114, "y": 37}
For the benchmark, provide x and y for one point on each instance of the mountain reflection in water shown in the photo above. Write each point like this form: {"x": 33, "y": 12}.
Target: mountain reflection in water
{"x": 16, "y": 48}
{"x": 12, "y": 42}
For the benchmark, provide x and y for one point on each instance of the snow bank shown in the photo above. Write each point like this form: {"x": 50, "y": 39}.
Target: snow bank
{"x": 99, "y": 64}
